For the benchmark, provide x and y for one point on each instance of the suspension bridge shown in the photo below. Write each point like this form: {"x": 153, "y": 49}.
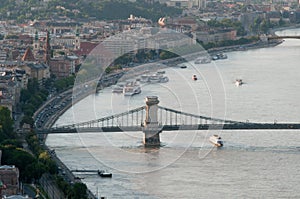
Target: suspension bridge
{"x": 283, "y": 37}
{"x": 153, "y": 120}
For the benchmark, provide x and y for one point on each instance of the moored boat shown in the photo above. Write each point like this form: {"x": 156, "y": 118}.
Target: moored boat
{"x": 216, "y": 140}
{"x": 118, "y": 88}
{"x": 104, "y": 174}
{"x": 204, "y": 60}
{"x": 219, "y": 56}
{"x": 222, "y": 56}
{"x": 157, "y": 77}
{"x": 132, "y": 88}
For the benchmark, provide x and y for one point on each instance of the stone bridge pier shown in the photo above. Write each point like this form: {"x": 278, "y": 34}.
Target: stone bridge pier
{"x": 151, "y": 127}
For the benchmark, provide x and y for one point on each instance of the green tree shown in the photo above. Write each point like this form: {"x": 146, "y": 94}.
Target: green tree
{"x": 78, "y": 191}
{"x": 264, "y": 26}
{"x": 166, "y": 54}
{"x": 28, "y": 120}
{"x": 6, "y": 124}
{"x": 281, "y": 22}
{"x": 21, "y": 159}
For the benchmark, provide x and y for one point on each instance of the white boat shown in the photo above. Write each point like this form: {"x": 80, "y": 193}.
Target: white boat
{"x": 204, "y": 60}
{"x": 104, "y": 174}
{"x": 157, "y": 77}
{"x": 216, "y": 140}
{"x": 132, "y": 88}
{"x": 222, "y": 56}
{"x": 144, "y": 79}
{"x": 219, "y": 56}
{"x": 238, "y": 82}
{"x": 118, "y": 88}
{"x": 161, "y": 72}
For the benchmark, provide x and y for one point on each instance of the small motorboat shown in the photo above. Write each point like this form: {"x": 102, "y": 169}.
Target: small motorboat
{"x": 216, "y": 140}
{"x": 238, "y": 82}
{"x": 194, "y": 77}
{"x": 104, "y": 174}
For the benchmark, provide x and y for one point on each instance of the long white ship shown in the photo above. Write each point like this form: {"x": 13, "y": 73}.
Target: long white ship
{"x": 157, "y": 77}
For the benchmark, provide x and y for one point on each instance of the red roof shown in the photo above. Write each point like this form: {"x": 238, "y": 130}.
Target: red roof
{"x": 28, "y": 55}
{"x": 85, "y": 48}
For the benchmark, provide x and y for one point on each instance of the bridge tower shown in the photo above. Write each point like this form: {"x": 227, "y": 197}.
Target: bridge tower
{"x": 151, "y": 127}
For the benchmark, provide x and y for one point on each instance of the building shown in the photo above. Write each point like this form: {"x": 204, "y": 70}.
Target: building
{"x": 63, "y": 66}
{"x": 181, "y": 3}
{"x": 216, "y": 36}
{"x": 47, "y": 49}
{"x": 9, "y": 177}
{"x": 40, "y": 71}
{"x": 9, "y": 89}
{"x": 85, "y": 48}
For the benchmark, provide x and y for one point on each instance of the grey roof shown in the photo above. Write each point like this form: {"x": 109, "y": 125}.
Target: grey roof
{"x": 37, "y": 65}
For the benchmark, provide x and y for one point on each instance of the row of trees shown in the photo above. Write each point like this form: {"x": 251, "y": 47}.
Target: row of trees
{"x": 241, "y": 41}
{"x": 33, "y": 161}
{"x": 262, "y": 25}
{"x": 31, "y": 99}
{"x": 31, "y": 166}
{"x": 228, "y": 23}
{"x": 35, "y": 95}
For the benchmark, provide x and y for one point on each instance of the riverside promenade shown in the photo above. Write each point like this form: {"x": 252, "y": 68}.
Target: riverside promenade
{"x": 45, "y": 119}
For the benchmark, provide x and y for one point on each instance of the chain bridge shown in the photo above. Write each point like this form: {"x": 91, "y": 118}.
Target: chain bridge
{"x": 153, "y": 119}
{"x": 283, "y": 37}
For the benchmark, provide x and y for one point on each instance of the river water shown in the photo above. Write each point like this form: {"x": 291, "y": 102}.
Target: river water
{"x": 252, "y": 163}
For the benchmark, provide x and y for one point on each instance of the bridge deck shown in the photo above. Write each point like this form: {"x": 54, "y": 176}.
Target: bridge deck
{"x": 238, "y": 126}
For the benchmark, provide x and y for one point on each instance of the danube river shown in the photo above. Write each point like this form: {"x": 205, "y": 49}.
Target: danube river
{"x": 252, "y": 163}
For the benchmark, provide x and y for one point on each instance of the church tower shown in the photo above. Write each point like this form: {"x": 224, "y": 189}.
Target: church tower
{"x": 36, "y": 42}
{"x": 47, "y": 49}
{"x": 77, "y": 40}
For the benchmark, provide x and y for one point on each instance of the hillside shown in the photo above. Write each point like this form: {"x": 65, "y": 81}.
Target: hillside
{"x": 22, "y": 10}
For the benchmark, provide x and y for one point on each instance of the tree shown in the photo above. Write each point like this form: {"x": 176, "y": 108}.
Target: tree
{"x": 34, "y": 171}
{"x": 6, "y": 123}
{"x": 264, "y": 26}
{"x": 28, "y": 120}
{"x": 78, "y": 191}
{"x": 21, "y": 159}
{"x": 166, "y": 54}
{"x": 281, "y": 22}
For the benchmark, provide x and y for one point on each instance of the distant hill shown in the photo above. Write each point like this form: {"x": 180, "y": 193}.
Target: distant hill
{"x": 22, "y": 10}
